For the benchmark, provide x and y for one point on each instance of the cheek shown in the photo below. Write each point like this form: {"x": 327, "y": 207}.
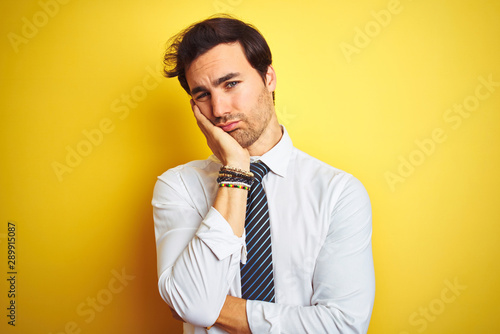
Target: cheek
{"x": 245, "y": 99}
{"x": 205, "y": 109}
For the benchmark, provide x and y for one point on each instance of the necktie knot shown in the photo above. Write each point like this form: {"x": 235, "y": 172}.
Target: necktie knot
{"x": 259, "y": 169}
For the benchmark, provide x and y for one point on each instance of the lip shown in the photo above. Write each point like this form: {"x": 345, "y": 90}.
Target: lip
{"x": 229, "y": 126}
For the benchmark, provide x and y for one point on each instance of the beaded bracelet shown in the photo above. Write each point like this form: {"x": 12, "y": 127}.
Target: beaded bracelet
{"x": 237, "y": 182}
{"x": 231, "y": 185}
{"x": 235, "y": 177}
{"x": 237, "y": 170}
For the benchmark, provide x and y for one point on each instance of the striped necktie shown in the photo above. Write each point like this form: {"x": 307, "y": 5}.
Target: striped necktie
{"x": 257, "y": 282}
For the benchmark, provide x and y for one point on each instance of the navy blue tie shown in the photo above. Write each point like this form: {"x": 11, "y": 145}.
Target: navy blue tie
{"x": 257, "y": 281}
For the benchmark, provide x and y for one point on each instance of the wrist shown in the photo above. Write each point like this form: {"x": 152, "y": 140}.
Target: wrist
{"x": 243, "y": 164}
{"x": 239, "y": 158}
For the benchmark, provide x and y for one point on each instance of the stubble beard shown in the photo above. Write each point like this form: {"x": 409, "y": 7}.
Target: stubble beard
{"x": 256, "y": 123}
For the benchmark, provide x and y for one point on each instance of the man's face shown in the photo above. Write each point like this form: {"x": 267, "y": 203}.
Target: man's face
{"x": 231, "y": 93}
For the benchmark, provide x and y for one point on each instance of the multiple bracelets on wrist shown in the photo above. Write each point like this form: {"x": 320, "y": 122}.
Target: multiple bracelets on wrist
{"x": 232, "y": 177}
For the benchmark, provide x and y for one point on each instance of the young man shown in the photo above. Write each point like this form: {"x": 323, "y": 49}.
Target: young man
{"x": 285, "y": 249}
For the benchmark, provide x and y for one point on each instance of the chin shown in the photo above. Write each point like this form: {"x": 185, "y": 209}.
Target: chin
{"x": 243, "y": 138}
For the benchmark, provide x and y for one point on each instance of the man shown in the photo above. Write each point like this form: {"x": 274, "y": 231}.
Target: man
{"x": 305, "y": 265}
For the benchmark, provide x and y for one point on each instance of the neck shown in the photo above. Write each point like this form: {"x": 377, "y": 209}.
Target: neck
{"x": 269, "y": 138}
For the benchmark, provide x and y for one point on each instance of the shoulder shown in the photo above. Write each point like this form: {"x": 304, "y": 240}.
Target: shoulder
{"x": 321, "y": 174}
{"x": 304, "y": 160}
{"x": 312, "y": 167}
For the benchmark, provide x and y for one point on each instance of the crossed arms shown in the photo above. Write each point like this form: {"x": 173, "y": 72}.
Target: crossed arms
{"x": 199, "y": 256}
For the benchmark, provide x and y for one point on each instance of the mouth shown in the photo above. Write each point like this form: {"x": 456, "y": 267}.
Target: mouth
{"x": 229, "y": 126}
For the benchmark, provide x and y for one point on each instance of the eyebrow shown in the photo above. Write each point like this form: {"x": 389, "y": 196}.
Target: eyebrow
{"x": 216, "y": 82}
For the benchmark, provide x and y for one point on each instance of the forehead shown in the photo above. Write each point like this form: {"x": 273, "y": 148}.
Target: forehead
{"x": 217, "y": 62}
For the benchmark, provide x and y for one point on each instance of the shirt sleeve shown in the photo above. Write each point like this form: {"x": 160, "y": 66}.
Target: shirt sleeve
{"x": 343, "y": 280}
{"x": 198, "y": 256}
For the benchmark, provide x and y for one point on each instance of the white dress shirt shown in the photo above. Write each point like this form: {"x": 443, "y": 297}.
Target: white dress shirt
{"x": 321, "y": 242}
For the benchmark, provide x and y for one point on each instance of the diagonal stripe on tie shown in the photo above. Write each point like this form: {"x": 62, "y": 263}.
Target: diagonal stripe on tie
{"x": 257, "y": 280}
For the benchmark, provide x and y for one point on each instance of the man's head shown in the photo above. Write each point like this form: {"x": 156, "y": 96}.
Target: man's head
{"x": 225, "y": 65}
{"x": 200, "y": 37}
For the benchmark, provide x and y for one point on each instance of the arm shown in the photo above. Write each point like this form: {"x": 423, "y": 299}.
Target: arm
{"x": 230, "y": 202}
{"x": 233, "y": 316}
{"x": 343, "y": 279}
{"x": 198, "y": 257}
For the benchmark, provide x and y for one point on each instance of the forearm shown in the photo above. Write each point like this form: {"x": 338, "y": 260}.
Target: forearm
{"x": 231, "y": 204}
{"x": 197, "y": 263}
{"x": 196, "y": 279}
{"x": 197, "y": 284}
{"x": 343, "y": 279}
{"x": 197, "y": 266}
{"x": 317, "y": 318}
{"x": 327, "y": 317}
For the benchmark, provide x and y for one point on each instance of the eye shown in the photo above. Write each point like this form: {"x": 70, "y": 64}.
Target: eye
{"x": 231, "y": 84}
{"x": 202, "y": 96}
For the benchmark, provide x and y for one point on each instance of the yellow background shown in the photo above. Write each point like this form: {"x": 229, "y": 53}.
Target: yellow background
{"x": 361, "y": 111}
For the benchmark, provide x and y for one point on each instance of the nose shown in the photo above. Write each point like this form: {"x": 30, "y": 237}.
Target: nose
{"x": 220, "y": 105}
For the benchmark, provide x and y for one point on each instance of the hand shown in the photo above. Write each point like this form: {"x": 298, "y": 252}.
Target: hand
{"x": 233, "y": 316}
{"x": 222, "y": 144}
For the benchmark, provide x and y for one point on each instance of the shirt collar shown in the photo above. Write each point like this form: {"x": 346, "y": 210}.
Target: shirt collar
{"x": 278, "y": 157}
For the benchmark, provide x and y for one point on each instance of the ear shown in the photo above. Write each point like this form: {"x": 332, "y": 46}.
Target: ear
{"x": 270, "y": 79}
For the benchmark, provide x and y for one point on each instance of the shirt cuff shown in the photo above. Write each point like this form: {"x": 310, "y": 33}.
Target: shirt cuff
{"x": 263, "y": 317}
{"x": 216, "y": 233}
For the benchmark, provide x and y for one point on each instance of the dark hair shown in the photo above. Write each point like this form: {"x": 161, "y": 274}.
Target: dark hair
{"x": 200, "y": 37}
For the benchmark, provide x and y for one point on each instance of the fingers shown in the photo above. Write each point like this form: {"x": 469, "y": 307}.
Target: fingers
{"x": 209, "y": 130}
{"x": 223, "y": 145}
{"x": 202, "y": 120}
